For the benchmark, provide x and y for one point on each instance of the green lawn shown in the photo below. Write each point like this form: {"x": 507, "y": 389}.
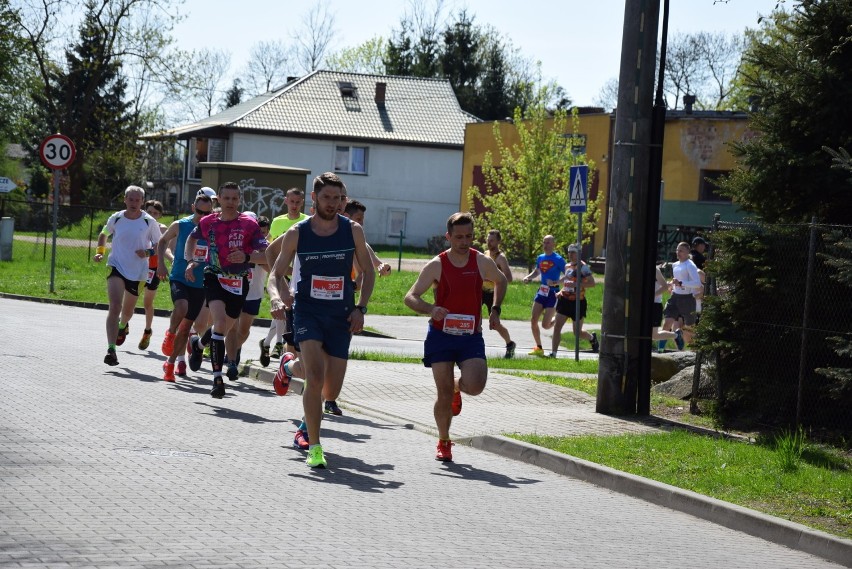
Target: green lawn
{"x": 816, "y": 494}
{"x": 78, "y": 278}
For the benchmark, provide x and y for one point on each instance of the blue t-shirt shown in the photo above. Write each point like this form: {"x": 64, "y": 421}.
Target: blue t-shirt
{"x": 550, "y": 266}
{"x": 322, "y": 271}
{"x": 185, "y": 227}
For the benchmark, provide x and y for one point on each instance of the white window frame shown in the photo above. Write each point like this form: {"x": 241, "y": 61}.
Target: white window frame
{"x": 397, "y": 219}
{"x": 351, "y": 166}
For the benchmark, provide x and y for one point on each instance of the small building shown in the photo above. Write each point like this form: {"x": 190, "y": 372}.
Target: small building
{"x": 397, "y": 143}
{"x": 695, "y": 153}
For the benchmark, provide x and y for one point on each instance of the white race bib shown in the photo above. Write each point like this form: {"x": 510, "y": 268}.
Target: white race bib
{"x": 326, "y": 288}
{"x": 459, "y": 324}
{"x": 544, "y": 290}
{"x": 234, "y": 285}
{"x": 200, "y": 253}
{"x": 151, "y": 274}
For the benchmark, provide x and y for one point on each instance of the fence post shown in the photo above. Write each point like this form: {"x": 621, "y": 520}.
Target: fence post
{"x": 805, "y": 320}
{"x": 696, "y": 376}
{"x": 91, "y": 225}
{"x": 711, "y": 284}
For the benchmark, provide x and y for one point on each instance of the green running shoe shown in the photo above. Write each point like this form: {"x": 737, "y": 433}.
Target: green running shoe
{"x": 316, "y": 458}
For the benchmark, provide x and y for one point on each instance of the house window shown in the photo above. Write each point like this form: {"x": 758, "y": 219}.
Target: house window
{"x": 204, "y": 150}
{"x": 350, "y": 159}
{"x": 708, "y": 188}
{"x": 396, "y": 222}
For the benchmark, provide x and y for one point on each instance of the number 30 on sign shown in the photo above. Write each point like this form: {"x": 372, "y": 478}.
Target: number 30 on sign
{"x": 57, "y": 151}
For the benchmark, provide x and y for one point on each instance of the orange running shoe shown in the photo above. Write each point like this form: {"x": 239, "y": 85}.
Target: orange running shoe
{"x": 445, "y": 451}
{"x": 180, "y": 369}
{"x": 168, "y": 372}
{"x": 168, "y": 344}
{"x": 457, "y": 403}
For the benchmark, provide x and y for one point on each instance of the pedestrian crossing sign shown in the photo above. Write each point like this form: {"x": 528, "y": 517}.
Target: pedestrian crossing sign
{"x": 577, "y": 182}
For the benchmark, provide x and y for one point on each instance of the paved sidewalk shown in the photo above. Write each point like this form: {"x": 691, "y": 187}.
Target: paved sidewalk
{"x": 111, "y": 467}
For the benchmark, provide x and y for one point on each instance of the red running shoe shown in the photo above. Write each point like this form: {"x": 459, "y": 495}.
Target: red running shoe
{"x": 168, "y": 344}
{"x": 457, "y": 403}
{"x": 122, "y": 334}
{"x": 445, "y": 451}
{"x": 180, "y": 369}
{"x": 168, "y": 372}
{"x": 281, "y": 383}
{"x": 300, "y": 441}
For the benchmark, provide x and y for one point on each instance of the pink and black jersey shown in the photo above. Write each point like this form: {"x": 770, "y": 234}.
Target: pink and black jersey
{"x": 460, "y": 292}
{"x": 240, "y": 234}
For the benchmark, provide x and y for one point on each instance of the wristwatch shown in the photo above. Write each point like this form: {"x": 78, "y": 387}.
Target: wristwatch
{"x": 363, "y": 309}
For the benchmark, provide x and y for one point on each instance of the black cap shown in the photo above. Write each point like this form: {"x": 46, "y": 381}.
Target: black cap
{"x": 698, "y": 241}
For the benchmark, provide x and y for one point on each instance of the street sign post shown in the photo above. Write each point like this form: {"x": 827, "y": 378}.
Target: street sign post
{"x": 57, "y": 152}
{"x": 578, "y": 183}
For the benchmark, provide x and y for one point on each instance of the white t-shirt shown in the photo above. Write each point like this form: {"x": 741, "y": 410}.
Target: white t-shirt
{"x": 258, "y": 283}
{"x": 687, "y": 273}
{"x": 128, "y": 236}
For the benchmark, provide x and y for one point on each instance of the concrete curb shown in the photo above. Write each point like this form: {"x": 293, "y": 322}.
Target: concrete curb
{"x": 770, "y": 528}
{"x": 732, "y": 516}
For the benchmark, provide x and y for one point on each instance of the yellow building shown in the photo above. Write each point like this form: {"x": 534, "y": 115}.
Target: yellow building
{"x": 695, "y": 152}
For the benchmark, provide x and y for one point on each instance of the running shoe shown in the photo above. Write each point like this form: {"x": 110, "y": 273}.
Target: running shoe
{"x": 300, "y": 441}
{"x": 536, "y": 352}
{"x": 196, "y": 354}
{"x": 111, "y": 359}
{"x": 278, "y": 350}
{"x": 316, "y": 458}
{"x": 281, "y": 382}
{"x": 145, "y": 340}
{"x": 233, "y": 373}
{"x": 168, "y": 345}
{"x": 552, "y": 355}
{"x": 192, "y": 334}
{"x": 595, "y": 344}
{"x": 168, "y": 371}
{"x": 264, "y": 354}
{"x": 122, "y": 334}
{"x": 180, "y": 369}
{"x": 445, "y": 451}
{"x": 457, "y": 403}
{"x": 218, "y": 391}
{"x": 679, "y": 339}
{"x": 332, "y": 408}
{"x": 510, "y": 350}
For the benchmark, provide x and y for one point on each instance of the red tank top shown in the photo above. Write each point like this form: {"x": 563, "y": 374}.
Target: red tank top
{"x": 460, "y": 292}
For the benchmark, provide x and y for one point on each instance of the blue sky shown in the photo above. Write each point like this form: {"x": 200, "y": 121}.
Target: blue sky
{"x": 577, "y": 42}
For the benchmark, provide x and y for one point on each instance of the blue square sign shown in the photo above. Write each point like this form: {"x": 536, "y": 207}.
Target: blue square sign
{"x": 578, "y": 179}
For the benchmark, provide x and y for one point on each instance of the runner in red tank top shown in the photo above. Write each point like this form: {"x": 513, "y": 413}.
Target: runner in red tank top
{"x": 455, "y": 329}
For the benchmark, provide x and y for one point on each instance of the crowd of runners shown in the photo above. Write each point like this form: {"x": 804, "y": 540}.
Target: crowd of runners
{"x": 319, "y": 273}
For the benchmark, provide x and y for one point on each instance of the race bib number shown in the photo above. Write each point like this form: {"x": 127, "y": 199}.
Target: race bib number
{"x": 234, "y": 285}
{"x": 543, "y": 290}
{"x": 200, "y": 253}
{"x": 327, "y": 288}
{"x": 459, "y": 324}
{"x": 151, "y": 274}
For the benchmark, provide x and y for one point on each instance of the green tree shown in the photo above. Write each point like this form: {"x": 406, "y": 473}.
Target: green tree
{"x": 233, "y": 96}
{"x": 800, "y": 70}
{"x": 526, "y": 195}
{"x": 365, "y": 58}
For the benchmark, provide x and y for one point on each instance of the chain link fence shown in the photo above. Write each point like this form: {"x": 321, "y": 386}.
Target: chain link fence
{"x": 777, "y": 326}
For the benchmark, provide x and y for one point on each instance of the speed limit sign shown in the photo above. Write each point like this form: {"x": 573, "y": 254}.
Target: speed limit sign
{"x": 57, "y": 151}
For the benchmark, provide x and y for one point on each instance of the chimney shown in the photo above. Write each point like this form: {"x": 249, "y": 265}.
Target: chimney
{"x": 688, "y": 101}
{"x": 381, "y": 88}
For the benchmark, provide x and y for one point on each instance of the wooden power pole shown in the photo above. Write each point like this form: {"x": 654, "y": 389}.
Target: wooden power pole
{"x": 627, "y": 216}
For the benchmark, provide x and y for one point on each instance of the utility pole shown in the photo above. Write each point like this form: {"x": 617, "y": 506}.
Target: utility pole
{"x": 627, "y": 216}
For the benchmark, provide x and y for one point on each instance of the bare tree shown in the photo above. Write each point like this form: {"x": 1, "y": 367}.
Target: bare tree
{"x": 268, "y": 66}
{"x": 702, "y": 64}
{"x": 607, "y": 97}
{"x": 204, "y": 85}
{"x": 315, "y": 37}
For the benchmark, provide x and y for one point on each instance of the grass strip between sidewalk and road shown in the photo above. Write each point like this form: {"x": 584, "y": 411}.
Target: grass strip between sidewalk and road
{"x": 816, "y": 493}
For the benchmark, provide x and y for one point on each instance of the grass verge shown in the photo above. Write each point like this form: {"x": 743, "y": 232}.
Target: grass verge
{"x": 816, "y": 494}
{"x": 583, "y": 366}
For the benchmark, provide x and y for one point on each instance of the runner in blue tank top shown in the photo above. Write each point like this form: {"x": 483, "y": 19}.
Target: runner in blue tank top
{"x": 325, "y": 314}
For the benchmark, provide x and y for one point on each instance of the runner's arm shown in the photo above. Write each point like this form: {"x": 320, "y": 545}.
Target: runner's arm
{"x": 503, "y": 265}
{"x": 171, "y": 232}
{"x": 278, "y": 288}
{"x": 429, "y": 275}
{"x": 368, "y": 273}
{"x": 491, "y": 272}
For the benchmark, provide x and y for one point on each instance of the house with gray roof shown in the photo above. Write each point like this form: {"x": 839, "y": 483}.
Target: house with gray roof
{"x": 396, "y": 142}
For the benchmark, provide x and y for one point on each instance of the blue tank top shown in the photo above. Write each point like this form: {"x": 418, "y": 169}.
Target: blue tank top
{"x": 322, "y": 272}
{"x": 185, "y": 227}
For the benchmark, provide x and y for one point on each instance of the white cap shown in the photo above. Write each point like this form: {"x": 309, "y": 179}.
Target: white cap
{"x": 206, "y": 191}
{"x": 573, "y": 248}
